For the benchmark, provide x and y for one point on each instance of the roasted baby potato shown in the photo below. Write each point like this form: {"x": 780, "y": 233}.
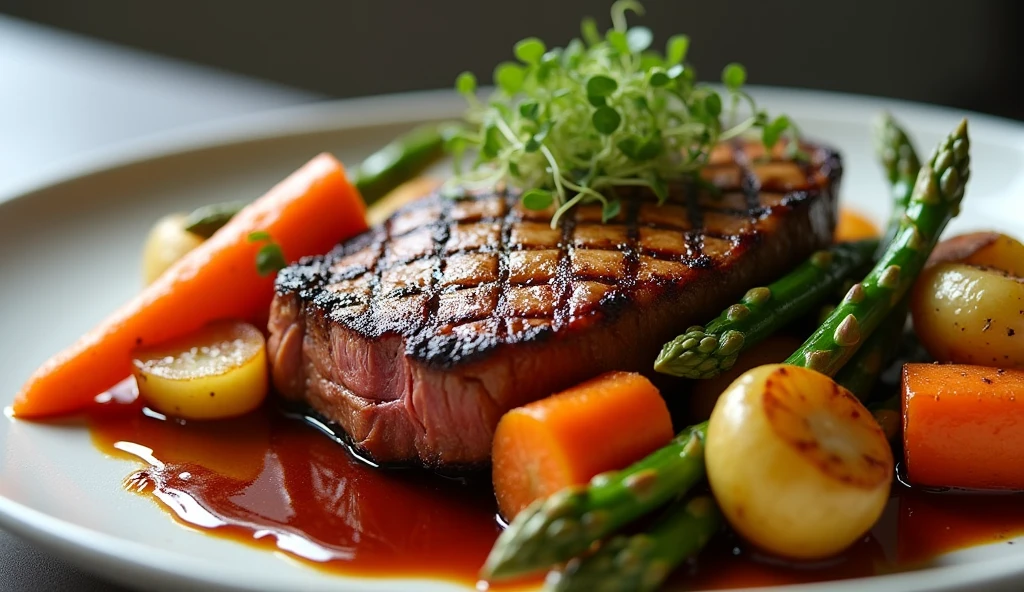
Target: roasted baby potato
{"x": 219, "y": 371}
{"x": 799, "y": 467}
{"x": 167, "y": 242}
{"x": 987, "y": 249}
{"x": 970, "y": 315}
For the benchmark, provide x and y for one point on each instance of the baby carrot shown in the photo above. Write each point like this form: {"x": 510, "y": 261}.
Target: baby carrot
{"x": 963, "y": 426}
{"x": 600, "y": 425}
{"x": 306, "y": 214}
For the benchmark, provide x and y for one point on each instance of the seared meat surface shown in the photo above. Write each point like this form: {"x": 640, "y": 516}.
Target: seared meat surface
{"x": 416, "y": 336}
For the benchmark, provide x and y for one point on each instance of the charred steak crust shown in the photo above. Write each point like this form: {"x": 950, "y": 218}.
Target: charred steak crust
{"x": 418, "y": 334}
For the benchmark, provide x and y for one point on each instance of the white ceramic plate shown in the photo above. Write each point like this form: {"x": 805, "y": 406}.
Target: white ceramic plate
{"x": 69, "y": 249}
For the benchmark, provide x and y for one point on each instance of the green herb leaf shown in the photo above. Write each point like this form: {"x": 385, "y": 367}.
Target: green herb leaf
{"x": 601, "y": 86}
{"x": 588, "y": 28}
{"x": 659, "y": 78}
{"x": 537, "y": 199}
{"x": 639, "y": 39}
{"x": 606, "y": 120}
{"x": 617, "y": 39}
{"x": 529, "y": 109}
{"x": 530, "y": 50}
{"x": 676, "y": 48}
{"x": 492, "y": 142}
{"x": 772, "y": 132}
{"x": 466, "y": 83}
{"x": 509, "y": 77}
{"x": 270, "y": 258}
{"x": 734, "y": 76}
{"x": 713, "y": 104}
{"x": 610, "y": 209}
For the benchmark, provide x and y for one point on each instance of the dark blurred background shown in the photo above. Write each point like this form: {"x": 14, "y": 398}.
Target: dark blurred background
{"x": 961, "y": 53}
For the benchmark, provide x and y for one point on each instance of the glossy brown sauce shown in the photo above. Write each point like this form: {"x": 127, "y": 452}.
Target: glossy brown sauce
{"x": 272, "y": 481}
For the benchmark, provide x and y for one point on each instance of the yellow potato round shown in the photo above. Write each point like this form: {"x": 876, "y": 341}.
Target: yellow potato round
{"x": 799, "y": 467}
{"x": 970, "y": 315}
{"x": 219, "y": 371}
{"x": 167, "y": 242}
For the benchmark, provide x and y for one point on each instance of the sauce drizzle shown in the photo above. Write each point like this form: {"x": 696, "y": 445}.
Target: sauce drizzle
{"x": 275, "y": 482}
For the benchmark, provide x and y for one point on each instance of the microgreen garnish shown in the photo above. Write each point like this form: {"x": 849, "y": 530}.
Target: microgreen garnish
{"x": 269, "y": 259}
{"x": 569, "y": 125}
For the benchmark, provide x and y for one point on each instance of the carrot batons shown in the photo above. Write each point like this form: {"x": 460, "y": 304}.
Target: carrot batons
{"x": 963, "y": 426}
{"x": 600, "y": 425}
{"x": 853, "y": 226}
{"x": 306, "y": 214}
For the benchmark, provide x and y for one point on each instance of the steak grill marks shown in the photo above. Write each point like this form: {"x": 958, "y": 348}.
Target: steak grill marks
{"x": 459, "y": 278}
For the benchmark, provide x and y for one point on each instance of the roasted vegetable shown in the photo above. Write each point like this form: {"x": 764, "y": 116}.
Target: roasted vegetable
{"x": 307, "y": 213}
{"x": 860, "y": 374}
{"x": 167, "y": 242}
{"x": 643, "y": 561}
{"x": 970, "y": 315}
{"x": 986, "y": 249}
{"x": 553, "y": 530}
{"x": 704, "y": 352}
{"x": 853, "y": 226}
{"x": 402, "y": 159}
{"x": 603, "y": 424}
{"x": 217, "y": 372}
{"x": 796, "y": 463}
{"x": 934, "y": 202}
{"x": 963, "y": 426}
{"x": 901, "y": 165}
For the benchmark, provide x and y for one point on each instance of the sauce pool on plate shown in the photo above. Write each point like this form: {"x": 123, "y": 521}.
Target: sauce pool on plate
{"x": 271, "y": 480}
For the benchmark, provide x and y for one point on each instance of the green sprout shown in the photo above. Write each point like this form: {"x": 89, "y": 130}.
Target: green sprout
{"x": 570, "y": 125}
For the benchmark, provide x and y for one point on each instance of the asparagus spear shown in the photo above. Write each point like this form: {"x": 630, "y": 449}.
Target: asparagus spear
{"x": 402, "y": 159}
{"x": 934, "y": 201}
{"x": 643, "y": 561}
{"x": 558, "y": 528}
{"x": 704, "y": 352}
{"x": 860, "y": 374}
{"x": 901, "y": 165}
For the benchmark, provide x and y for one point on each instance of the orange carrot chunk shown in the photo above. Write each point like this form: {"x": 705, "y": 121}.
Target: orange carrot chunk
{"x": 853, "y": 226}
{"x": 963, "y": 426}
{"x": 306, "y": 214}
{"x": 600, "y": 425}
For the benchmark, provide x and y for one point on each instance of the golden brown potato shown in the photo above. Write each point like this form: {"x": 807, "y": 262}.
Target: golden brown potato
{"x": 799, "y": 467}
{"x": 217, "y": 372}
{"x": 970, "y": 315}
{"x": 167, "y": 242}
{"x": 988, "y": 249}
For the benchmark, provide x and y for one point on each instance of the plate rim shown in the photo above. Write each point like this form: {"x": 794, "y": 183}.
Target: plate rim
{"x": 86, "y": 547}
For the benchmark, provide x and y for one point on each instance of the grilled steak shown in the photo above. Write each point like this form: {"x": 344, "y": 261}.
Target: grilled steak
{"x": 416, "y": 336}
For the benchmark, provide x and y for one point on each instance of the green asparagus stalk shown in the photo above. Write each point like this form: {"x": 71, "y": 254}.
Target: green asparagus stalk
{"x": 402, "y": 159}
{"x": 934, "y": 201}
{"x": 553, "y": 530}
{"x": 704, "y": 352}
{"x": 860, "y": 374}
{"x": 642, "y": 561}
{"x": 901, "y": 165}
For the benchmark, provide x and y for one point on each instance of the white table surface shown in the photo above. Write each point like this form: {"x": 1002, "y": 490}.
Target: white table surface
{"x": 62, "y": 96}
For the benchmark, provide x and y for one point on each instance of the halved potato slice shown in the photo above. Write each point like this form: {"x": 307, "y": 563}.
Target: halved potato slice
{"x": 219, "y": 371}
{"x": 799, "y": 467}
